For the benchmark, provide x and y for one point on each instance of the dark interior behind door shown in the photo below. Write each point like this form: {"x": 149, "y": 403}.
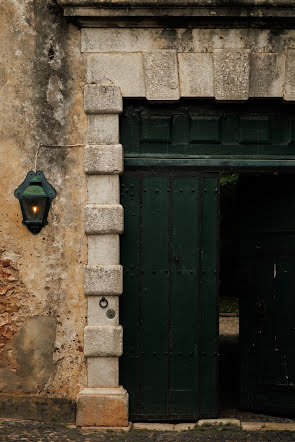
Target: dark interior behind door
{"x": 267, "y": 303}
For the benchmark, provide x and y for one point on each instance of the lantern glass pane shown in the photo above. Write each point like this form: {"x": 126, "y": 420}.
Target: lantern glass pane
{"x": 34, "y": 208}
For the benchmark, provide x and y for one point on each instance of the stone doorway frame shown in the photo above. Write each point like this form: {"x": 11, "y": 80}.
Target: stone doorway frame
{"x": 124, "y": 63}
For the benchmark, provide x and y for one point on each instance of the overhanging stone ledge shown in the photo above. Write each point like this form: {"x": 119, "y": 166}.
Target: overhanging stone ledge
{"x": 85, "y": 11}
{"x": 176, "y": 3}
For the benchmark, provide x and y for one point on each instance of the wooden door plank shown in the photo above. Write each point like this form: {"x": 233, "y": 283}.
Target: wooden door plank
{"x": 155, "y": 281}
{"x": 184, "y": 310}
{"x": 208, "y": 296}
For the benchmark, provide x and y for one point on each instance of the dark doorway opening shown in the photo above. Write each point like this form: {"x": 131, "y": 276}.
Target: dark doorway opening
{"x": 257, "y": 263}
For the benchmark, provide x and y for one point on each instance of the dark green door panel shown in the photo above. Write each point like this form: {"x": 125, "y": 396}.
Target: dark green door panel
{"x": 203, "y": 130}
{"x": 267, "y": 304}
{"x": 168, "y": 308}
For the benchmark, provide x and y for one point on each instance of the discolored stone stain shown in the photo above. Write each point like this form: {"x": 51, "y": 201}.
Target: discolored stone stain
{"x": 26, "y": 344}
{"x": 35, "y": 345}
{"x": 51, "y": 72}
{"x": 277, "y": 40}
{"x": 179, "y": 39}
{"x": 13, "y": 305}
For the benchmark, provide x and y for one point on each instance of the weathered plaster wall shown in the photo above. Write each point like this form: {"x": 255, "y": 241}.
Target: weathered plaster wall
{"x": 42, "y": 304}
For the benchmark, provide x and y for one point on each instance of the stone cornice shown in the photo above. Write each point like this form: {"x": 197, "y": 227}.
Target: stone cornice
{"x": 177, "y": 3}
{"x": 92, "y": 12}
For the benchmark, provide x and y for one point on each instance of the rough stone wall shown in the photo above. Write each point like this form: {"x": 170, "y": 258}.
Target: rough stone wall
{"x": 42, "y": 304}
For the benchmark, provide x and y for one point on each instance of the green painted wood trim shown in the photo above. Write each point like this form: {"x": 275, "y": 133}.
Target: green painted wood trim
{"x": 210, "y": 163}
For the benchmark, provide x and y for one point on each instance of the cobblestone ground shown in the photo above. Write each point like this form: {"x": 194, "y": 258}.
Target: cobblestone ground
{"x": 36, "y": 431}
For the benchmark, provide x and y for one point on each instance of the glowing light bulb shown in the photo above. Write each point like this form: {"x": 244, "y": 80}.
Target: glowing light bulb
{"x": 35, "y": 209}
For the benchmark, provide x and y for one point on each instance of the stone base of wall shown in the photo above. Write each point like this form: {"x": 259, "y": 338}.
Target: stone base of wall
{"x": 38, "y": 408}
{"x": 107, "y": 407}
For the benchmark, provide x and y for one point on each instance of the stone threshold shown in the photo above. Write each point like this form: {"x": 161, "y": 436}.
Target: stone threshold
{"x": 156, "y": 426}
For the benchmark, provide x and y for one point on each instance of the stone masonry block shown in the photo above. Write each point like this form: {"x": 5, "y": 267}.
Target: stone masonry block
{"x": 231, "y": 74}
{"x": 106, "y": 407}
{"x": 102, "y": 219}
{"x": 103, "y": 372}
{"x": 103, "y": 189}
{"x": 102, "y": 99}
{"x": 161, "y": 75}
{"x": 103, "y": 129}
{"x": 103, "y": 159}
{"x": 103, "y": 280}
{"x": 103, "y": 249}
{"x": 196, "y": 75}
{"x": 267, "y": 74}
{"x": 120, "y": 39}
{"x": 97, "y": 315}
{"x": 103, "y": 340}
{"x": 124, "y": 70}
{"x": 289, "y": 94}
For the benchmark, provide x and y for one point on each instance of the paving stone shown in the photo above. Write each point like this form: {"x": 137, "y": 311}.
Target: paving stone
{"x": 152, "y": 426}
{"x": 270, "y": 426}
{"x": 107, "y": 429}
{"x": 32, "y": 431}
{"x": 185, "y": 426}
{"x": 221, "y": 421}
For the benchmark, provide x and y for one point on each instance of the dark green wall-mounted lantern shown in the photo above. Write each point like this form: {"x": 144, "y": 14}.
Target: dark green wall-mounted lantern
{"x": 35, "y": 195}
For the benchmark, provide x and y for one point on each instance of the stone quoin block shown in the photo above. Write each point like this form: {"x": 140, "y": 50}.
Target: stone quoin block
{"x": 102, "y": 99}
{"x": 231, "y": 74}
{"x": 161, "y": 75}
{"x": 103, "y": 249}
{"x": 103, "y": 189}
{"x": 103, "y": 159}
{"x": 103, "y": 280}
{"x": 124, "y": 70}
{"x": 107, "y": 407}
{"x": 103, "y": 371}
{"x": 103, "y": 129}
{"x": 101, "y": 219}
{"x": 289, "y": 94}
{"x": 103, "y": 340}
{"x": 98, "y": 315}
{"x": 267, "y": 75}
{"x": 196, "y": 75}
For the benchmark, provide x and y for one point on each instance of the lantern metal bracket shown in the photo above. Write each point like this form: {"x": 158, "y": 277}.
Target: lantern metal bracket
{"x": 35, "y": 226}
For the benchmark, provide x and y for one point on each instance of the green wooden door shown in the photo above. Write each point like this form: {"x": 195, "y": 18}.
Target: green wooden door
{"x": 267, "y": 304}
{"x": 168, "y": 308}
